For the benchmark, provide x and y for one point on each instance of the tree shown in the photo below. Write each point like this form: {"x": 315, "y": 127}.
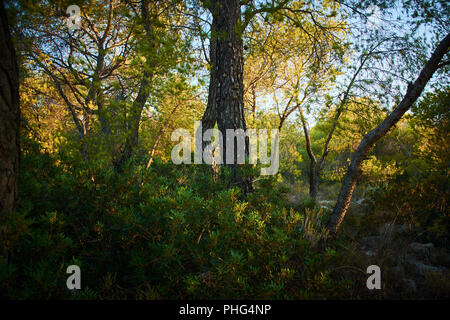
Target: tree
{"x": 229, "y": 79}
{"x": 9, "y": 118}
{"x": 354, "y": 170}
{"x": 226, "y": 88}
{"x": 316, "y": 164}
{"x": 108, "y": 69}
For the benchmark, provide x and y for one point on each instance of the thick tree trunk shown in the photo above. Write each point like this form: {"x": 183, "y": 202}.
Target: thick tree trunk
{"x": 229, "y": 79}
{"x": 9, "y": 119}
{"x": 354, "y": 171}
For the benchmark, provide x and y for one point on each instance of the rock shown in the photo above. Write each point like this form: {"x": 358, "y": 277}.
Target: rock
{"x": 421, "y": 250}
{"x": 420, "y": 246}
{"x": 389, "y": 229}
{"x": 422, "y": 269}
{"x": 362, "y": 203}
{"x": 373, "y": 242}
{"x": 326, "y": 203}
{"x": 404, "y": 228}
{"x": 293, "y": 199}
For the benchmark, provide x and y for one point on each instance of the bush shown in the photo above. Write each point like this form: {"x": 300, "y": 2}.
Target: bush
{"x": 170, "y": 232}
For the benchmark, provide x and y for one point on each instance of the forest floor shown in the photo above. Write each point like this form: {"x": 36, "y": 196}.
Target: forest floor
{"x": 411, "y": 266}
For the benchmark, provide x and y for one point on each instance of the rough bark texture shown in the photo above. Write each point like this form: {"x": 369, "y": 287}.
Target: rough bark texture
{"x": 210, "y": 116}
{"x": 354, "y": 171}
{"x": 9, "y": 119}
{"x": 228, "y": 78}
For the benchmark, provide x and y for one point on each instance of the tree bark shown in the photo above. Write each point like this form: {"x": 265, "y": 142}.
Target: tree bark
{"x": 313, "y": 182}
{"x": 9, "y": 119}
{"x": 228, "y": 79}
{"x": 354, "y": 171}
{"x": 210, "y": 116}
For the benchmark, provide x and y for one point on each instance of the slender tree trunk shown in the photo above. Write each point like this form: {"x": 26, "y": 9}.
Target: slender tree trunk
{"x": 158, "y": 137}
{"x": 313, "y": 181}
{"x": 317, "y": 166}
{"x": 354, "y": 171}
{"x": 254, "y": 104}
{"x": 133, "y": 122}
{"x": 9, "y": 119}
{"x": 155, "y": 145}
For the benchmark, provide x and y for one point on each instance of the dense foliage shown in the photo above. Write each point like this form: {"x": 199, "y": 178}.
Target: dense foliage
{"x": 140, "y": 227}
